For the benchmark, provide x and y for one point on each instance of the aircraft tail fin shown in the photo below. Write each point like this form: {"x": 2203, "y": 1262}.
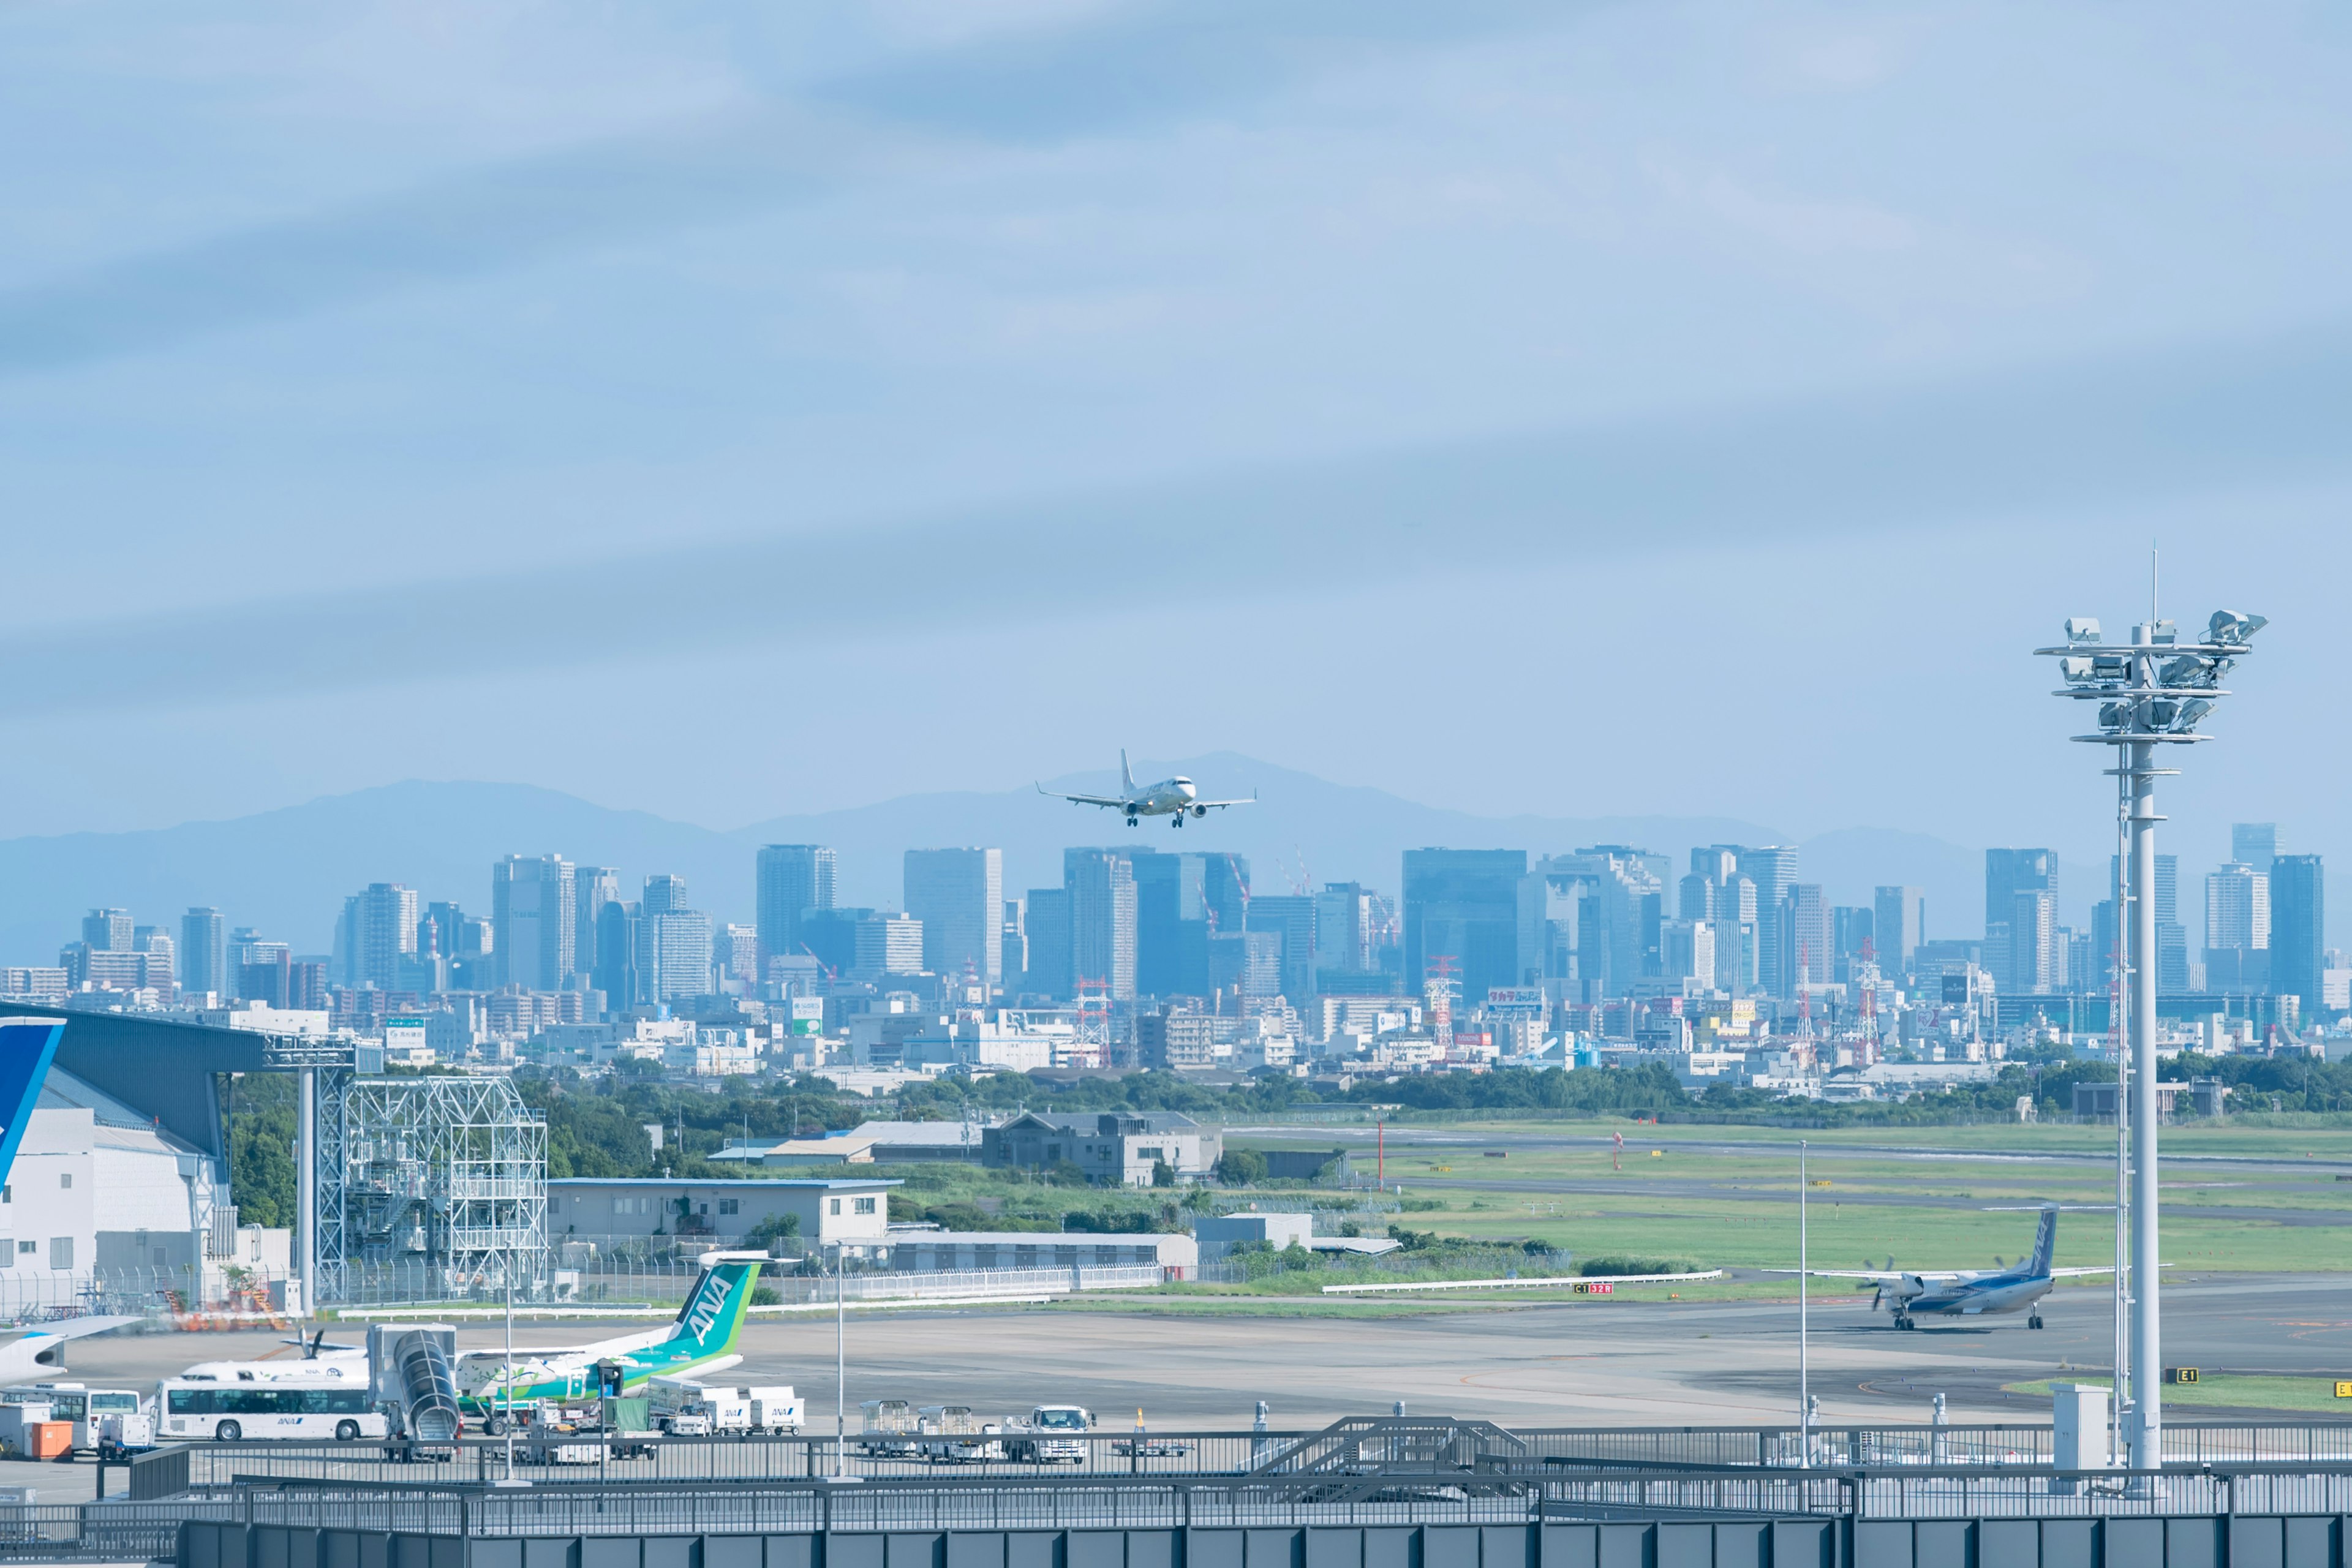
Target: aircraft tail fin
{"x": 2045, "y": 1244}
{"x": 28, "y": 1045}
{"x": 1126, "y": 774}
{"x": 714, "y": 1310}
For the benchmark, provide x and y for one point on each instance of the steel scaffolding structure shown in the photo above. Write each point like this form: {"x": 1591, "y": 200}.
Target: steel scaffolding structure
{"x": 442, "y": 1176}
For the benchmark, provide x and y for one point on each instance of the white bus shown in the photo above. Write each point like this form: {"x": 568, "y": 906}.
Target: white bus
{"x": 231, "y": 1412}
{"x": 83, "y": 1406}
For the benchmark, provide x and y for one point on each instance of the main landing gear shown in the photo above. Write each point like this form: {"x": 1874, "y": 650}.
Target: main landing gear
{"x": 2034, "y": 1322}
{"x": 1903, "y": 1321}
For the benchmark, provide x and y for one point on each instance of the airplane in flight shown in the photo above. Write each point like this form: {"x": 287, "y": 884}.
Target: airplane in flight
{"x": 1173, "y": 797}
{"x": 1911, "y": 1294}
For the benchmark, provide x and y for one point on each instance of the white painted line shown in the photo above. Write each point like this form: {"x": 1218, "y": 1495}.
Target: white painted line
{"x": 1547, "y": 1281}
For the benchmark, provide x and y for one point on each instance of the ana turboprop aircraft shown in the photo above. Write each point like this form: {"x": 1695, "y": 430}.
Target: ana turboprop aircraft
{"x": 1173, "y": 797}
{"x": 1915, "y": 1293}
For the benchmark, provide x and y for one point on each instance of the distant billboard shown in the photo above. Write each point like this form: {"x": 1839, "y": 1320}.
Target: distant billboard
{"x": 1524, "y": 1000}
{"x": 808, "y": 1014}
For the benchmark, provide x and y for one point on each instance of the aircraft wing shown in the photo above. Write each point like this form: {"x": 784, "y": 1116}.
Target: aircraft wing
{"x": 43, "y": 1349}
{"x": 1877, "y": 1276}
{"x": 1093, "y": 799}
{"x": 1208, "y": 804}
{"x": 2077, "y": 1273}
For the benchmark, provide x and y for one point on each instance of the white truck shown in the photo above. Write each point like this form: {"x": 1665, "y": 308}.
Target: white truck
{"x": 684, "y": 1407}
{"x": 1049, "y": 1435}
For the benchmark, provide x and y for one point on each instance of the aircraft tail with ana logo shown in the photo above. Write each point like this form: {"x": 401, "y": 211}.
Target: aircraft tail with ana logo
{"x": 713, "y": 1315}
{"x": 2045, "y": 1244}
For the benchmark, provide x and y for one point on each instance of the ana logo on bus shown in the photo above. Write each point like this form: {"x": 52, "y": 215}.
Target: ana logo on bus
{"x": 707, "y": 1308}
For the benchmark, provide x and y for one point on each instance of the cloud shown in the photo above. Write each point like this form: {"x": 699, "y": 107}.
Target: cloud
{"x": 2102, "y": 432}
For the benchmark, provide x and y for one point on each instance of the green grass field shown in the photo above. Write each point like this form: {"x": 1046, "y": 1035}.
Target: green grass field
{"x": 2226, "y": 1390}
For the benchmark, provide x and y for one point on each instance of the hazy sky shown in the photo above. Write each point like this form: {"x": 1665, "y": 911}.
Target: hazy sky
{"x": 736, "y": 409}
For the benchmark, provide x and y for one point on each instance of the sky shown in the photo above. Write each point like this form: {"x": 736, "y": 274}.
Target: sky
{"x": 742, "y": 410}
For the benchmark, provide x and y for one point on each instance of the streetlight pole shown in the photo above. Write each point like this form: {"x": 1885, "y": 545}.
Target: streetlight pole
{"x": 2152, "y": 692}
{"x": 840, "y": 1367}
{"x": 1804, "y": 1317}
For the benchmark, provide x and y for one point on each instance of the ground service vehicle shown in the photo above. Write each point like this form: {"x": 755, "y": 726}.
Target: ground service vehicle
{"x": 888, "y": 1429}
{"x": 230, "y": 1412}
{"x": 1049, "y": 1435}
{"x": 684, "y": 1407}
{"x": 88, "y": 1409}
{"x": 953, "y": 1434}
{"x": 775, "y": 1409}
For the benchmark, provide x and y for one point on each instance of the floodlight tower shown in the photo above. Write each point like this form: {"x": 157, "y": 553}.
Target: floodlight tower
{"x": 2153, "y": 692}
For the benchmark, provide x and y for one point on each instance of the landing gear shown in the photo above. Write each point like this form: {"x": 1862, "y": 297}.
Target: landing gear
{"x": 1130, "y": 822}
{"x": 1180, "y": 820}
{"x": 2034, "y": 1322}
{"x": 1903, "y": 1321}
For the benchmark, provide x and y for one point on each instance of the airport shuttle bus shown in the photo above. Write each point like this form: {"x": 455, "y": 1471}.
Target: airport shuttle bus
{"x": 234, "y": 1412}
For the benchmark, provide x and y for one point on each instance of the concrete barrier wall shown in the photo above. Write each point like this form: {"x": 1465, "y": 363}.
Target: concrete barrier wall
{"x": 2244, "y": 1542}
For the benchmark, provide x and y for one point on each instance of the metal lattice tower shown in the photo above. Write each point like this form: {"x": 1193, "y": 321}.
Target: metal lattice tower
{"x": 443, "y": 1178}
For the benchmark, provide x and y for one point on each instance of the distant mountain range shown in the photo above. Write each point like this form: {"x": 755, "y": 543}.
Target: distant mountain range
{"x": 287, "y": 873}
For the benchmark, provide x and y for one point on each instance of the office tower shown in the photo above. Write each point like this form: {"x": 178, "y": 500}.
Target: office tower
{"x": 1550, "y": 924}
{"x": 1463, "y": 905}
{"x": 2035, "y": 955}
{"x": 1101, "y": 887}
{"x": 2106, "y": 951}
{"x": 1048, "y": 922}
{"x": 1246, "y": 964}
{"x": 107, "y": 931}
{"x": 886, "y": 944}
{"x": 1854, "y": 928}
{"x": 204, "y": 952}
{"x": 735, "y": 953}
{"x": 2254, "y": 843}
{"x": 2298, "y": 929}
{"x": 2009, "y": 872}
{"x": 666, "y": 894}
{"x": 2237, "y": 928}
{"x": 616, "y": 973}
{"x": 673, "y": 949}
{"x": 830, "y": 936}
{"x": 383, "y": 933}
{"x": 1291, "y": 916}
{"x": 958, "y": 895}
{"x": 1179, "y": 900}
{"x": 1343, "y": 928}
{"x": 1898, "y": 925}
{"x": 1808, "y": 943}
{"x": 791, "y": 879}
{"x": 533, "y": 918}
{"x": 159, "y": 966}
{"x": 1013, "y": 948}
{"x": 2171, "y": 936}
{"x": 1686, "y": 951}
{"x": 593, "y": 886}
{"x": 1773, "y": 869}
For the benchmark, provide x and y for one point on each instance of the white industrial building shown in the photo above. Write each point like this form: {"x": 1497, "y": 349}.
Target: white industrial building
{"x": 925, "y": 1252}
{"x": 604, "y": 1209}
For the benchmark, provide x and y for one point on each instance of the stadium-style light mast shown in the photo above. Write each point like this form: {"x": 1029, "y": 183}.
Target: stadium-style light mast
{"x": 2153, "y": 692}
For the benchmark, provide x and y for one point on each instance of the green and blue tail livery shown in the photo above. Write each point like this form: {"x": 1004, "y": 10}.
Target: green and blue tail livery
{"x": 28, "y": 1045}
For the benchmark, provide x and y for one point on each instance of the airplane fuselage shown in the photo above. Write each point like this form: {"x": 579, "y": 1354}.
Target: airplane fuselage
{"x": 1169, "y": 797}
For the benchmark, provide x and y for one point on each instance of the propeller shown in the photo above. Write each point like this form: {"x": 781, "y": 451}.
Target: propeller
{"x": 1996, "y": 1263}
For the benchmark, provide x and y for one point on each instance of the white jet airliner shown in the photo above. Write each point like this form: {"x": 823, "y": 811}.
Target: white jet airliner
{"x": 1169, "y": 798}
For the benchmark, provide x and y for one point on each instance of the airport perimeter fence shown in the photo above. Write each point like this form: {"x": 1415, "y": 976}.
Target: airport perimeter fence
{"x": 665, "y": 1287}
{"x": 1977, "y": 1451}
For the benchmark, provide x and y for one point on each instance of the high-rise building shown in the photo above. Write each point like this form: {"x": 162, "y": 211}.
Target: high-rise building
{"x": 666, "y": 894}
{"x": 1808, "y": 943}
{"x": 384, "y": 933}
{"x": 593, "y": 886}
{"x": 1013, "y": 948}
{"x": 1773, "y": 869}
{"x": 1101, "y": 887}
{"x": 1686, "y": 951}
{"x": 2237, "y": 928}
{"x": 2009, "y": 872}
{"x": 887, "y": 943}
{"x": 735, "y": 953}
{"x": 617, "y": 945}
{"x": 1048, "y": 922}
{"x": 1854, "y": 928}
{"x": 958, "y": 895}
{"x": 1462, "y": 905}
{"x": 2035, "y": 954}
{"x": 203, "y": 951}
{"x": 2254, "y": 843}
{"x": 1343, "y": 928}
{"x": 1292, "y": 917}
{"x": 1179, "y": 900}
{"x": 2298, "y": 929}
{"x": 107, "y": 931}
{"x": 673, "y": 952}
{"x": 1898, "y": 925}
{"x": 790, "y": 880}
{"x": 534, "y": 915}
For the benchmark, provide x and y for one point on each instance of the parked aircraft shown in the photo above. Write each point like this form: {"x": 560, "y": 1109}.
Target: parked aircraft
{"x": 701, "y": 1339}
{"x": 1915, "y": 1293}
{"x": 1173, "y": 797}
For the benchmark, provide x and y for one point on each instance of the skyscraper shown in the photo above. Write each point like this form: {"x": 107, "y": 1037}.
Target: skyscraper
{"x": 1773, "y": 869}
{"x": 2254, "y": 843}
{"x": 1292, "y": 917}
{"x": 383, "y": 933}
{"x": 1012, "y": 947}
{"x": 666, "y": 894}
{"x": 616, "y": 973}
{"x": 2036, "y": 959}
{"x": 1101, "y": 887}
{"x": 1343, "y": 928}
{"x": 790, "y": 877}
{"x": 1463, "y": 904}
{"x": 1049, "y": 972}
{"x": 1898, "y": 925}
{"x": 203, "y": 951}
{"x": 2298, "y": 929}
{"x": 1808, "y": 944}
{"x": 107, "y": 931}
{"x": 2009, "y": 872}
{"x": 959, "y": 897}
{"x": 593, "y": 886}
{"x": 673, "y": 950}
{"x": 534, "y": 918}
{"x": 2237, "y": 928}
